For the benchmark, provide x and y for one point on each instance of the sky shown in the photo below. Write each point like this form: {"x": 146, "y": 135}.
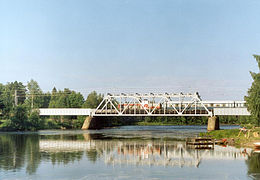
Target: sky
{"x": 132, "y": 45}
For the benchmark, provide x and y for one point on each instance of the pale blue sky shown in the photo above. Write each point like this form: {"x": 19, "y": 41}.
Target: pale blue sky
{"x": 132, "y": 45}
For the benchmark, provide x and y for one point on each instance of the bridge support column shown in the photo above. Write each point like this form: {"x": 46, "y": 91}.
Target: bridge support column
{"x": 213, "y": 123}
{"x": 92, "y": 123}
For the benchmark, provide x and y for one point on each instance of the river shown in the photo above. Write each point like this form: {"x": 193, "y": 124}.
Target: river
{"x": 127, "y": 152}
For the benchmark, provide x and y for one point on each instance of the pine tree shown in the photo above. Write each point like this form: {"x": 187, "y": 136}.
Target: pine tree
{"x": 53, "y": 100}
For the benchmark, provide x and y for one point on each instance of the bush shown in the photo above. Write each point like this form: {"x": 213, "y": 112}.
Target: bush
{"x": 7, "y": 125}
{"x": 34, "y": 121}
{"x": 77, "y": 123}
{"x": 50, "y": 124}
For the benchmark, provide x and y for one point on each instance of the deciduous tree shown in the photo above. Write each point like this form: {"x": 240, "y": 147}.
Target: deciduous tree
{"x": 93, "y": 100}
{"x": 35, "y": 95}
{"x": 253, "y": 97}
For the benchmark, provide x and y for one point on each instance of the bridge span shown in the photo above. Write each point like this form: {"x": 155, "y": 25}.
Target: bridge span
{"x": 218, "y": 109}
{"x": 154, "y": 104}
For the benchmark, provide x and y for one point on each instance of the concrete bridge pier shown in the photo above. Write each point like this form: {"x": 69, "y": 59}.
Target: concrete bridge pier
{"x": 213, "y": 123}
{"x": 92, "y": 123}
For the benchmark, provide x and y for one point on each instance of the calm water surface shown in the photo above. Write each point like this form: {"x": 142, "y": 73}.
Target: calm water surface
{"x": 129, "y": 152}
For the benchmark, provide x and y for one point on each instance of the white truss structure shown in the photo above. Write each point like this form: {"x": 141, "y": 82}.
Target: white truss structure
{"x": 152, "y": 104}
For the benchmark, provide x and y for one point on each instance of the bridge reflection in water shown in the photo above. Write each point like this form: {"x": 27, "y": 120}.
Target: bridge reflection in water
{"x": 117, "y": 153}
{"x": 143, "y": 152}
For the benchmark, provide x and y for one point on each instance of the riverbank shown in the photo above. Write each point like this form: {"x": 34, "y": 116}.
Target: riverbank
{"x": 236, "y": 137}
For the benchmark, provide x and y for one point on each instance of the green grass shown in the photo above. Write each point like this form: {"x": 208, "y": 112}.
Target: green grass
{"x": 240, "y": 140}
{"x": 219, "y": 134}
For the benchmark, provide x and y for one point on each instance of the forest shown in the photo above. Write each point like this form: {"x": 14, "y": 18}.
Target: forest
{"x": 19, "y": 104}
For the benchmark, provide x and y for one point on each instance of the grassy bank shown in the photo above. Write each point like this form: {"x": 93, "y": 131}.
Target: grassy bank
{"x": 235, "y": 137}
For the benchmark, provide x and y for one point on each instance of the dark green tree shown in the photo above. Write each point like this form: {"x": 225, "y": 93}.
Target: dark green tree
{"x": 20, "y": 88}
{"x": 76, "y": 100}
{"x": 2, "y": 88}
{"x": 19, "y": 119}
{"x": 253, "y": 98}
{"x": 7, "y": 97}
{"x": 46, "y": 98}
{"x": 63, "y": 99}
{"x": 93, "y": 100}
{"x": 7, "y": 102}
{"x": 34, "y": 121}
{"x": 53, "y": 99}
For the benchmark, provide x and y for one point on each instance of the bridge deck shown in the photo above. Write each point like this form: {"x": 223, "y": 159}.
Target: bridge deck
{"x": 92, "y": 112}
{"x": 66, "y": 112}
{"x": 231, "y": 112}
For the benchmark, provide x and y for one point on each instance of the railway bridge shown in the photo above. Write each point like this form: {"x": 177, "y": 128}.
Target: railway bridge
{"x": 154, "y": 104}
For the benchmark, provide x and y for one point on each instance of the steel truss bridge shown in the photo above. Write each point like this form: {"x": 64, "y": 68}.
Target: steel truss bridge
{"x": 154, "y": 104}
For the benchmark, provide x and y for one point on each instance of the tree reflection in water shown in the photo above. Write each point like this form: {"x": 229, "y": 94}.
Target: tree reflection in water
{"x": 29, "y": 150}
{"x": 253, "y": 165}
{"x": 18, "y": 150}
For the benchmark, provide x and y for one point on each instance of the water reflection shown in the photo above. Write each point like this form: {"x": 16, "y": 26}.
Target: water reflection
{"x": 253, "y": 164}
{"x": 138, "y": 151}
{"x": 17, "y": 151}
{"x": 28, "y": 151}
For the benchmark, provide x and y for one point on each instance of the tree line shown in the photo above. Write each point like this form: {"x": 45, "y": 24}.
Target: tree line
{"x": 18, "y": 103}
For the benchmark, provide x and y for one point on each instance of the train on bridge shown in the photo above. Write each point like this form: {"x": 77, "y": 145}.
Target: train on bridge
{"x": 146, "y": 104}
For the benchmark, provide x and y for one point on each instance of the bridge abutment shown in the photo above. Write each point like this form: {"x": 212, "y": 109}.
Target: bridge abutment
{"x": 92, "y": 123}
{"x": 213, "y": 123}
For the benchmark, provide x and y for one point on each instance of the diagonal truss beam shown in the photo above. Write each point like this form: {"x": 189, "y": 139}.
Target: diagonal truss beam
{"x": 152, "y": 104}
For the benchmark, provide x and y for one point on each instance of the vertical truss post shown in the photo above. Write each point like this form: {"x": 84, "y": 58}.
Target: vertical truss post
{"x": 164, "y": 106}
{"x": 179, "y": 111}
{"x": 195, "y": 106}
{"x": 106, "y": 105}
{"x": 159, "y": 104}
